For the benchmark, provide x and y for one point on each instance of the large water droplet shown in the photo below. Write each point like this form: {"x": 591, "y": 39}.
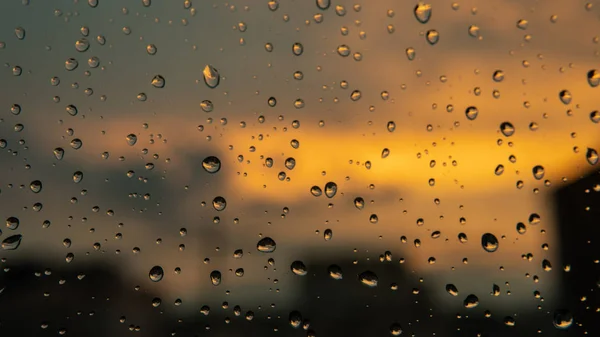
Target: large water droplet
{"x": 71, "y": 110}
{"x": 12, "y": 242}
{"x": 156, "y": 274}
{"x": 359, "y": 203}
{"x": 593, "y": 77}
{"x": 316, "y": 191}
{"x": 266, "y": 245}
{"x": 211, "y": 76}
{"x": 59, "y": 153}
{"x": 323, "y": 4}
{"x": 563, "y": 319}
{"x": 451, "y": 289}
{"x": 538, "y": 172}
{"x": 507, "y": 129}
{"x": 71, "y": 64}
{"x": 158, "y": 81}
{"x": 592, "y": 156}
{"x": 82, "y": 45}
{"x": 368, "y": 278}
{"x": 211, "y": 164}
{"x": 395, "y": 329}
{"x": 423, "y": 12}
{"x": 298, "y": 268}
{"x": 335, "y": 272}
{"x": 76, "y": 143}
{"x": 219, "y": 203}
{"x": 343, "y": 50}
{"x": 330, "y": 189}
{"x": 471, "y": 113}
{"x": 295, "y": 319}
{"x": 489, "y": 242}
{"x": 215, "y": 277}
{"x": 297, "y": 48}
{"x": 471, "y": 301}
{"x": 131, "y": 139}
{"x": 565, "y": 96}
{"x": 35, "y": 186}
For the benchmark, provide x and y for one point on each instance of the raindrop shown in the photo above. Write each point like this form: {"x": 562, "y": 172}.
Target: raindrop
{"x": 131, "y": 139}
{"x": 432, "y": 36}
{"x": 451, "y": 289}
{"x": 71, "y": 64}
{"x": 521, "y": 228}
{"x": 316, "y": 191}
{"x": 59, "y": 153}
{"x": 507, "y": 129}
{"x": 335, "y": 272}
{"x": 290, "y": 163}
{"x": 471, "y": 113}
{"x": 471, "y": 301}
{"x": 538, "y": 172}
{"x": 359, "y": 203}
{"x": 368, "y": 278}
{"x": 343, "y": 50}
{"x": 158, "y": 81}
{"x": 328, "y": 234}
{"x": 595, "y": 116}
{"x": 211, "y": 76}
{"x": 546, "y": 265}
{"x": 499, "y": 170}
{"x": 396, "y": 329}
{"x": 410, "y": 53}
{"x": 156, "y": 274}
{"x": 215, "y": 277}
{"x": 385, "y": 153}
{"x": 295, "y": 319}
{"x": 266, "y": 245}
{"x": 71, "y": 110}
{"x": 565, "y": 97}
{"x": 330, "y": 189}
{"x": 462, "y": 237}
{"x": 35, "y": 186}
{"x": 211, "y": 164}
{"x": 423, "y": 12}
{"x": 563, "y": 319}
{"x": 298, "y": 268}
{"x": 77, "y": 177}
{"x": 76, "y": 143}
{"x": 591, "y": 156}
{"x": 12, "y": 242}
{"x": 207, "y": 106}
{"x": 391, "y": 126}
{"x": 489, "y": 242}
{"x": 355, "y": 95}
{"x": 593, "y": 77}
{"x": 219, "y": 203}
{"x": 151, "y": 49}
{"x": 498, "y": 76}
{"x": 297, "y": 48}
{"x": 474, "y": 31}
{"x": 509, "y": 321}
{"x": 12, "y": 223}
{"x": 20, "y": 33}
{"x": 323, "y": 4}
{"x": 93, "y": 3}
{"x": 82, "y": 45}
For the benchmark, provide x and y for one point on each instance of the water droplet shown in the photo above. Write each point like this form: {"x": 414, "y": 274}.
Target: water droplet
{"x": 368, "y": 278}
{"x": 593, "y": 77}
{"x": 12, "y": 223}
{"x": 316, "y": 191}
{"x": 158, "y": 81}
{"x": 266, "y": 245}
{"x": 131, "y": 139}
{"x": 591, "y": 156}
{"x": 522, "y": 24}
{"x": 396, "y": 329}
{"x": 499, "y": 170}
{"x": 373, "y": 219}
{"x": 489, "y": 242}
{"x": 563, "y": 319}
{"x": 71, "y": 64}
{"x": 471, "y": 301}
{"x": 151, "y": 49}
{"x": 343, "y": 50}
{"x": 385, "y": 153}
{"x": 391, "y": 126}
{"x": 359, "y": 203}
{"x": 17, "y": 71}
{"x": 423, "y": 12}
{"x": 20, "y": 33}
{"x": 273, "y": 5}
{"x": 538, "y": 172}
{"x": 211, "y": 76}
{"x": 297, "y": 48}
{"x": 76, "y": 143}
{"x": 59, "y": 153}
{"x": 299, "y": 103}
{"x": 290, "y": 163}
{"x": 473, "y": 31}
{"x": 410, "y": 53}
{"x": 12, "y": 242}
{"x": 565, "y": 96}
{"x": 451, "y": 289}
{"x": 328, "y": 234}
{"x": 521, "y": 228}
{"x": 156, "y": 274}
{"x": 35, "y": 186}
{"x": 146, "y": 3}
{"x": 215, "y": 277}
{"x": 207, "y": 106}
{"x": 471, "y": 113}
{"x": 546, "y": 265}
{"x": 298, "y": 268}
{"x": 211, "y": 164}
{"x": 432, "y": 36}
{"x": 498, "y": 76}
{"x": 93, "y": 3}
{"x": 595, "y": 116}
{"x": 330, "y": 189}
{"x": 462, "y": 237}
{"x": 509, "y": 321}
{"x": 219, "y": 203}
{"x": 507, "y": 129}
{"x": 77, "y": 177}
{"x": 355, "y": 95}
{"x": 335, "y": 272}
{"x": 82, "y": 45}
{"x": 323, "y": 4}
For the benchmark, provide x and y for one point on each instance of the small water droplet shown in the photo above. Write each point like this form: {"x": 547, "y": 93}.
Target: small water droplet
{"x": 328, "y": 234}
{"x": 507, "y": 129}
{"x": 215, "y": 277}
{"x": 498, "y": 76}
{"x": 211, "y": 76}
{"x": 71, "y": 64}
{"x": 158, "y": 81}
{"x": 432, "y": 36}
{"x": 297, "y": 48}
{"x": 335, "y": 272}
{"x": 77, "y": 177}
{"x": 395, "y": 329}
{"x": 593, "y": 77}
{"x": 151, "y": 49}
{"x": 219, "y": 203}
{"x": 592, "y": 156}
{"x": 35, "y": 186}
{"x": 12, "y": 223}
{"x": 59, "y": 153}
{"x": 82, "y": 45}
{"x": 391, "y": 126}
{"x": 385, "y": 153}
{"x": 343, "y": 50}
{"x": 298, "y": 268}
{"x": 538, "y": 172}
{"x": 207, "y": 106}
{"x": 93, "y": 3}
{"x": 131, "y": 139}
{"x": 471, "y": 301}
{"x": 509, "y": 321}
{"x": 471, "y": 113}
{"x": 489, "y": 242}
{"x": 368, "y": 278}
{"x": 565, "y": 97}
{"x": 316, "y": 191}
{"x": 266, "y": 245}
{"x": 330, "y": 189}
{"x": 359, "y": 203}
{"x": 451, "y": 289}
{"x": 76, "y": 143}
{"x": 323, "y": 4}
{"x": 410, "y": 53}
{"x": 20, "y": 33}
